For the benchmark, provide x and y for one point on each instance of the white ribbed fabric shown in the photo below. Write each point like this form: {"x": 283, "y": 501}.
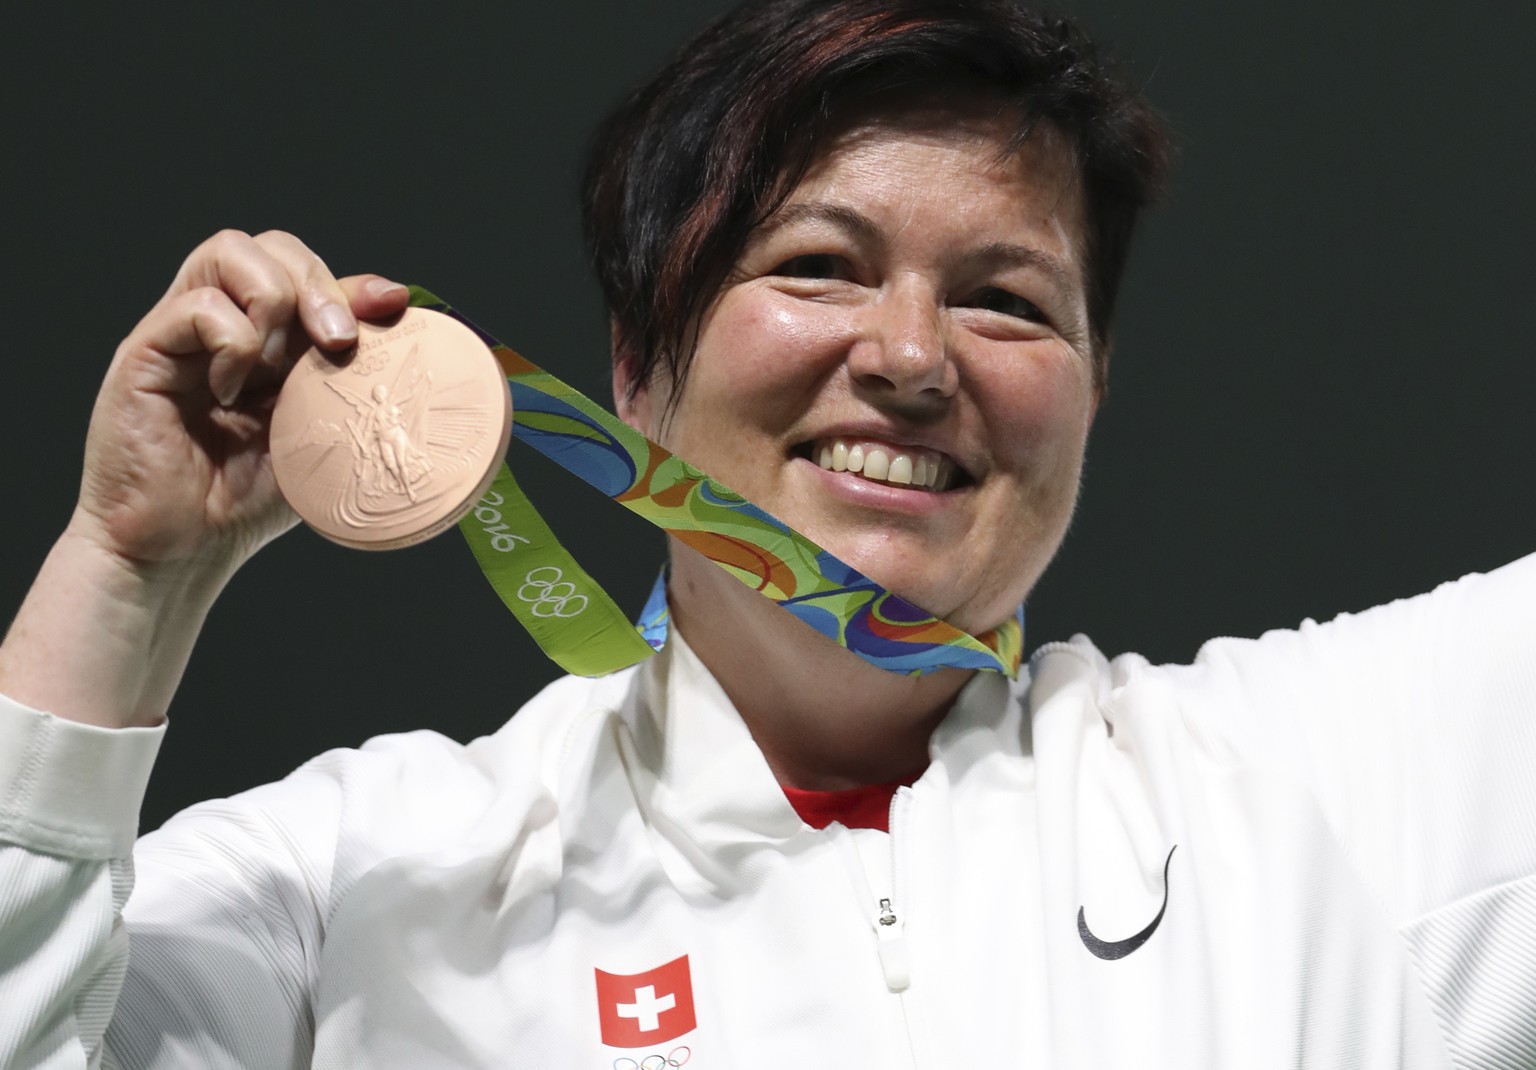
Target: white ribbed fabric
{"x": 70, "y": 793}
{"x": 1350, "y": 807}
{"x": 1475, "y": 957}
{"x": 72, "y": 789}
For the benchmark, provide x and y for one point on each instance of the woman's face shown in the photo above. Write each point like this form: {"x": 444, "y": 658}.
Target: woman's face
{"x": 916, "y": 308}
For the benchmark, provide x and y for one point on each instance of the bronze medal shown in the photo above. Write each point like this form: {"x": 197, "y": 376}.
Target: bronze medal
{"x": 392, "y": 442}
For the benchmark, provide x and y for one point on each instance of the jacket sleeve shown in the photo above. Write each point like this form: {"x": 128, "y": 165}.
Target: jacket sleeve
{"x": 209, "y": 962}
{"x": 1414, "y": 728}
{"x": 69, "y": 804}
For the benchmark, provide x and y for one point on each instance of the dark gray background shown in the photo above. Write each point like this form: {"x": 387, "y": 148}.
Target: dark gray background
{"x": 1321, "y": 397}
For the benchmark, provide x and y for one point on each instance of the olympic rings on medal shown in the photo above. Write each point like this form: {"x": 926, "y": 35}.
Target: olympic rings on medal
{"x": 552, "y": 595}
{"x": 676, "y": 1057}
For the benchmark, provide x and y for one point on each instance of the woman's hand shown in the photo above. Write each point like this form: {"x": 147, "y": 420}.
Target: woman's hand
{"x": 178, "y": 489}
{"x": 177, "y": 475}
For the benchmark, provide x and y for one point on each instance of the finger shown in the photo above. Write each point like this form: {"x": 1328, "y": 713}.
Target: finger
{"x": 322, "y": 307}
{"x": 202, "y": 321}
{"x": 374, "y": 297}
{"x": 259, "y": 283}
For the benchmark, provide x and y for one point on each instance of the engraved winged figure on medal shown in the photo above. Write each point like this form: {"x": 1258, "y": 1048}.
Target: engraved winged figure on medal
{"x": 385, "y": 436}
{"x": 398, "y": 444}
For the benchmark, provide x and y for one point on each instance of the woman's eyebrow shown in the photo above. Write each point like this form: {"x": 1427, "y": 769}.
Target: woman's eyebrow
{"x": 995, "y": 254}
{"x": 1002, "y": 254}
{"x": 855, "y": 223}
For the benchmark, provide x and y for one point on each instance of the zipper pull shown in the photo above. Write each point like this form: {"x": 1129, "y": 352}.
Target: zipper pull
{"x": 894, "y": 961}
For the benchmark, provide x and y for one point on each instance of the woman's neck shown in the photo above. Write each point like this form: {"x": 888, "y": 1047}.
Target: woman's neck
{"x": 824, "y": 718}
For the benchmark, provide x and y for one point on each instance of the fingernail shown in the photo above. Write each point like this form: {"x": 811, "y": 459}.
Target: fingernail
{"x": 382, "y": 288}
{"x": 336, "y": 324}
{"x": 276, "y": 346}
{"x": 226, "y": 393}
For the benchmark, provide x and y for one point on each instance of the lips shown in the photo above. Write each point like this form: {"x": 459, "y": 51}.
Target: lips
{"x": 884, "y": 462}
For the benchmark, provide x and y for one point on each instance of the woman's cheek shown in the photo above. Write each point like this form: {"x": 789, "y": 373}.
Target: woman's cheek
{"x": 811, "y": 328}
{"x": 1038, "y": 396}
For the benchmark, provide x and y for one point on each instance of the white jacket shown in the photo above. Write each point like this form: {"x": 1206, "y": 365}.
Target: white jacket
{"x": 1346, "y": 814}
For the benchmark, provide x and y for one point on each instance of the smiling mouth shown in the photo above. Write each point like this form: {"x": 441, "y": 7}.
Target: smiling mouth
{"x": 880, "y": 462}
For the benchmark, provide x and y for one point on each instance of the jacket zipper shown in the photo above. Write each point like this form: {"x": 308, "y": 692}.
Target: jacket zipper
{"x": 890, "y": 924}
{"x": 886, "y": 916}
{"x": 890, "y": 921}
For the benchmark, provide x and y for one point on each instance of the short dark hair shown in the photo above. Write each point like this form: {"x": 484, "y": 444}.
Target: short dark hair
{"x": 694, "y": 159}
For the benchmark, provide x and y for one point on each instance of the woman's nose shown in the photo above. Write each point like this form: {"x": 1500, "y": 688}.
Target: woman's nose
{"x": 903, "y": 350}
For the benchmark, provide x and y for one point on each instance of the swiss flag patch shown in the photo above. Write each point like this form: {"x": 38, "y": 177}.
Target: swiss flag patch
{"x": 637, "y": 1009}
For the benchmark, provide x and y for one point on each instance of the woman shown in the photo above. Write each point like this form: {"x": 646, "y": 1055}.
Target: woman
{"x": 906, "y": 238}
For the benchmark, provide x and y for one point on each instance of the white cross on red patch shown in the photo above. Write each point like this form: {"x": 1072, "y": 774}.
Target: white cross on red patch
{"x": 636, "y": 1009}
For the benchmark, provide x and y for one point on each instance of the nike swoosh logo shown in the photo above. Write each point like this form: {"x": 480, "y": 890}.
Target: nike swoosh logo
{"x": 1118, "y": 949}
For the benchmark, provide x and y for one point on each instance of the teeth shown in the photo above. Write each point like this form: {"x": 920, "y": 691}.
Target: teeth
{"x": 877, "y": 464}
{"x": 925, "y": 470}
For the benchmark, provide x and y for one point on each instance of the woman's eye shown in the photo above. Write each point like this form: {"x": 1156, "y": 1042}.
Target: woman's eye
{"x": 814, "y": 266}
{"x": 994, "y": 299}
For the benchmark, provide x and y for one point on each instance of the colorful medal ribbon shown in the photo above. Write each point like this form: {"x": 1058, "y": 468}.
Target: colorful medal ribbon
{"x": 583, "y": 630}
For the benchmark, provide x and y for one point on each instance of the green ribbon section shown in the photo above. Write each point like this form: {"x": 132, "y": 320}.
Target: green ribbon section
{"x": 567, "y": 612}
